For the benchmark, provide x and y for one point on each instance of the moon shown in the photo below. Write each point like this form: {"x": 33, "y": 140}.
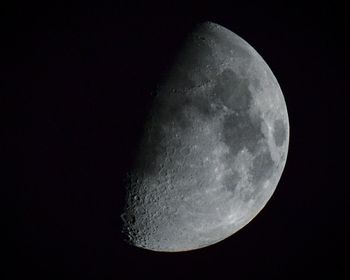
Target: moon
{"x": 213, "y": 148}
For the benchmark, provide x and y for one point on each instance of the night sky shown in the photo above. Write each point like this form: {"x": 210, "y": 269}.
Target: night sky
{"x": 74, "y": 88}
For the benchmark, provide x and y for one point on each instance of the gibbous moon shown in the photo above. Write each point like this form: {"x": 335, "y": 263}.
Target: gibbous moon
{"x": 213, "y": 149}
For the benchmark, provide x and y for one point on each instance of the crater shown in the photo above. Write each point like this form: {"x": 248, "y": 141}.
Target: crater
{"x": 223, "y": 40}
{"x": 279, "y": 132}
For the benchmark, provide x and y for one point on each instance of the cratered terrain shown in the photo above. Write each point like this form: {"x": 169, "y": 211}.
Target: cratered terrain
{"x": 213, "y": 147}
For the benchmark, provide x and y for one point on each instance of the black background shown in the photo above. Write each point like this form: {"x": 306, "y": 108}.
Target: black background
{"x": 75, "y": 88}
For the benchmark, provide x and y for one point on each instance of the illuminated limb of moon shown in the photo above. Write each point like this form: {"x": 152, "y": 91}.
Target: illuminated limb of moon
{"x": 213, "y": 149}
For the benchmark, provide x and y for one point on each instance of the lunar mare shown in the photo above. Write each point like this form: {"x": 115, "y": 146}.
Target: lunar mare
{"x": 213, "y": 149}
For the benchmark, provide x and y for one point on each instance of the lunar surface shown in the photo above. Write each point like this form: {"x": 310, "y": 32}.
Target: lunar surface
{"x": 213, "y": 148}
